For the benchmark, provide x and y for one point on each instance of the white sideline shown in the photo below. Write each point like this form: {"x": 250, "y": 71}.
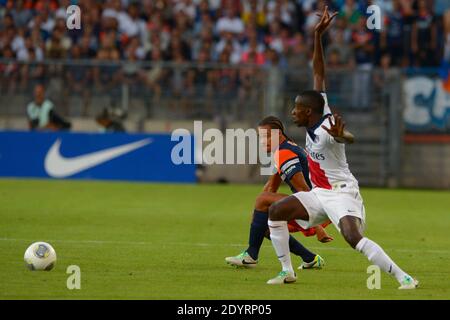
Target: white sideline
{"x": 239, "y": 245}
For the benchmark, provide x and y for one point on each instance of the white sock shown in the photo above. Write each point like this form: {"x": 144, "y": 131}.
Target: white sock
{"x": 279, "y": 234}
{"x": 377, "y": 256}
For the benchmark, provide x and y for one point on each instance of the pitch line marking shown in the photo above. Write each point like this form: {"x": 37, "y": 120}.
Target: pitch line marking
{"x": 200, "y": 244}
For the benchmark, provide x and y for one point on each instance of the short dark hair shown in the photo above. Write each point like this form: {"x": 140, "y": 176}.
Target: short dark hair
{"x": 313, "y": 99}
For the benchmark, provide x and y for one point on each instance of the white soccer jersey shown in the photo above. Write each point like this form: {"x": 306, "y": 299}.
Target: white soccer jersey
{"x": 326, "y": 107}
{"x": 327, "y": 162}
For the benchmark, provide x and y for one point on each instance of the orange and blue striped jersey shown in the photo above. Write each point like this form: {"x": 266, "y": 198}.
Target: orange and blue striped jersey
{"x": 290, "y": 159}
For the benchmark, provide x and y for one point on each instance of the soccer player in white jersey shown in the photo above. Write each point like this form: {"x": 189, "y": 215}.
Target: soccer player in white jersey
{"x": 335, "y": 194}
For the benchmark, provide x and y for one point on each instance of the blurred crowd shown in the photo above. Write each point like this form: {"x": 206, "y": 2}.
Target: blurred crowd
{"x": 235, "y": 31}
{"x": 415, "y": 33}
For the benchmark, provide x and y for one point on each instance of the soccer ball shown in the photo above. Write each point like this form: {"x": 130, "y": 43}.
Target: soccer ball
{"x": 40, "y": 256}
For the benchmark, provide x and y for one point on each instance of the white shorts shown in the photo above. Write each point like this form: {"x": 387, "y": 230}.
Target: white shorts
{"x": 323, "y": 204}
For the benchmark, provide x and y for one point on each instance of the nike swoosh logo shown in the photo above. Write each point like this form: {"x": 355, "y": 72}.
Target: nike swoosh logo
{"x": 58, "y": 166}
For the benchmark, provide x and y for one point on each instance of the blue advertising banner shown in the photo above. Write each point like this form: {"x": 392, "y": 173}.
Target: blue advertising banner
{"x": 103, "y": 156}
{"x": 427, "y": 105}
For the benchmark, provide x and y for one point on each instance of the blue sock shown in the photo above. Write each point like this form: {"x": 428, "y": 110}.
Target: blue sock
{"x": 258, "y": 230}
{"x": 298, "y": 249}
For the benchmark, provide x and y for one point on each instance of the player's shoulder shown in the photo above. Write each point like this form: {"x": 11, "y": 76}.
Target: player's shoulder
{"x": 287, "y": 151}
{"x": 323, "y": 121}
{"x": 292, "y": 146}
{"x": 317, "y": 135}
{"x": 326, "y": 107}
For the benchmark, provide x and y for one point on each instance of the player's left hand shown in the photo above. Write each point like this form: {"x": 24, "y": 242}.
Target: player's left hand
{"x": 325, "y": 239}
{"x": 336, "y": 129}
{"x": 322, "y": 235}
{"x": 325, "y": 20}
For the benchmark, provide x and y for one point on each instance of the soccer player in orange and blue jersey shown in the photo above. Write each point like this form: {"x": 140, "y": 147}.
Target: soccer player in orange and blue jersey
{"x": 292, "y": 168}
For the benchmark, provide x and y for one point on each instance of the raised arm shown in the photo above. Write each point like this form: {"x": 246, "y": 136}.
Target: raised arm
{"x": 318, "y": 56}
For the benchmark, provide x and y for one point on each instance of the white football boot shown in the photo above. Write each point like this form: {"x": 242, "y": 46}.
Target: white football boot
{"x": 283, "y": 277}
{"x": 408, "y": 283}
{"x": 317, "y": 263}
{"x": 242, "y": 260}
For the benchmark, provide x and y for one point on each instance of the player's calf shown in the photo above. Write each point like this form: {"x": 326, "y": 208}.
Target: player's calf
{"x": 375, "y": 254}
{"x": 350, "y": 230}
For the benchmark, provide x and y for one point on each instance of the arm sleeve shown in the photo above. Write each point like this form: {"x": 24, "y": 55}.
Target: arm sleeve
{"x": 287, "y": 163}
{"x": 326, "y": 107}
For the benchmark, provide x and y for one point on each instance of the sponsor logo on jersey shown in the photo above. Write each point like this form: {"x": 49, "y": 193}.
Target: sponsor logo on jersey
{"x": 316, "y": 155}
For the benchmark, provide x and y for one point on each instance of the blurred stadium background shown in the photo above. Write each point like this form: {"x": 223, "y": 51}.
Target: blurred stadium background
{"x": 151, "y": 66}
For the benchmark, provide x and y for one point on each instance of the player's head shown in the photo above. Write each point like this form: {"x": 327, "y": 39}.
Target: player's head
{"x": 308, "y": 104}
{"x": 39, "y": 94}
{"x": 268, "y": 126}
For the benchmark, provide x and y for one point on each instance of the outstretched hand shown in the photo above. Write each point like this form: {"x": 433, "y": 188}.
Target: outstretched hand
{"x": 325, "y": 20}
{"x": 336, "y": 129}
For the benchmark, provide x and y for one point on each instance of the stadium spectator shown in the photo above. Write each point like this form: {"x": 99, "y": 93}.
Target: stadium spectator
{"x": 41, "y": 113}
{"x": 9, "y": 71}
{"x": 230, "y": 43}
{"x": 187, "y": 7}
{"x": 120, "y": 33}
{"x": 230, "y": 22}
{"x": 274, "y": 39}
{"x": 275, "y": 80}
{"x": 58, "y": 45}
{"x": 385, "y": 75}
{"x": 79, "y": 77}
{"x": 250, "y": 77}
{"x": 392, "y": 34}
{"x": 407, "y": 23}
{"x": 281, "y": 10}
{"x": 254, "y": 10}
{"x": 342, "y": 50}
{"x": 297, "y": 54}
{"x": 251, "y": 36}
{"x": 198, "y": 44}
{"x": 131, "y": 25}
{"x": 350, "y": 13}
{"x": 225, "y": 81}
{"x": 199, "y": 80}
{"x": 23, "y": 54}
{"x": 424, "y": 36}
{"x": 311, "y": 17}
{"x": 362, "y": 40}
{"x": 153, "y": 77}
{"x": 447, "y": 36}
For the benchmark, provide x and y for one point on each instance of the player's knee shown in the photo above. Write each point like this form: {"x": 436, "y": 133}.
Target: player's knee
{"x": 262, "y": 203}
{"x": 276, "y": 212}
{"x": 352, "y": 238}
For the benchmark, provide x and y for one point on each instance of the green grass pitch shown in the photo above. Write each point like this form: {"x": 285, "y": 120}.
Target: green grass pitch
{"x": 161, "y": 241}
